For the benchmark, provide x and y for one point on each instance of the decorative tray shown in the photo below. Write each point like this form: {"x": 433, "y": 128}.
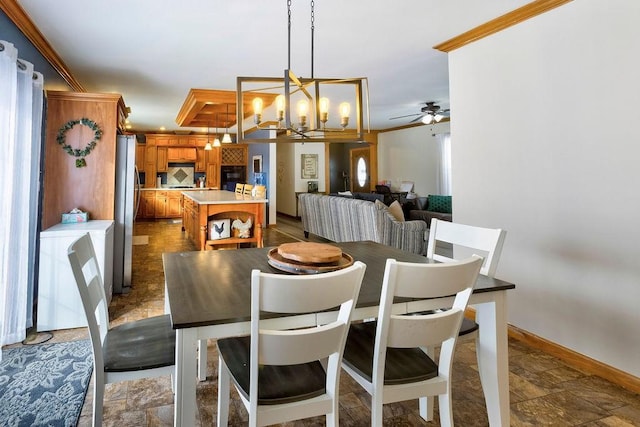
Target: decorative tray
{"x": 277, "y": 261}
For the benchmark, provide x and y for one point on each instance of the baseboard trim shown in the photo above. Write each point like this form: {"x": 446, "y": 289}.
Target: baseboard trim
{"x": 577, "y": 360}
{"x": 572, "y": 358}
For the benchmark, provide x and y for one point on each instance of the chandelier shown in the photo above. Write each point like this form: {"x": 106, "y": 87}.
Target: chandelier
{"x": 301, "y": 109}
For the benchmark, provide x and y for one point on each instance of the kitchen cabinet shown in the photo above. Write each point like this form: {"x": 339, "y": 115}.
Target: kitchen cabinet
{"x": 174, "y": 204}
{"x": 161, "y": 204}
{"x": 183, "y": 154}
{"x": 141, "y": 150}
{"x": 59, "y": 303}
{"x": 201, "y": 160}
{"x": 150, "y": 167}
{"x": 162, "y": 159}
{"x": 148, "y": 204}
{"x": 234, "y": 156}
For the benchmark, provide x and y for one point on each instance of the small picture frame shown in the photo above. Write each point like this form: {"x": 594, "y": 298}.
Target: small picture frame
{"x": 219, "y": 229}
{"x": 257, "y": 164}
{"x": 309, "y": 166}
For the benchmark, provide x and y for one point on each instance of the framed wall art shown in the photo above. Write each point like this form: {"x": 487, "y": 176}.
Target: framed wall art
{"x": 309, "y": 165}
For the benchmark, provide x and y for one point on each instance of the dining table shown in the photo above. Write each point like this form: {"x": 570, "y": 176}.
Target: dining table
{"x": 208, "y": 296}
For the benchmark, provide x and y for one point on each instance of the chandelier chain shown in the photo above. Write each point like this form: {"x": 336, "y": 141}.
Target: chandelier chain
{"x": 313, "y": 19}
{"x": 288, "y": 34}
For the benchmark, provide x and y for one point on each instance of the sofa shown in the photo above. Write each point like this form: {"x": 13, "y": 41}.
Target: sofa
{"x": 343, "y": 219}
{"x": 433, "y": 206}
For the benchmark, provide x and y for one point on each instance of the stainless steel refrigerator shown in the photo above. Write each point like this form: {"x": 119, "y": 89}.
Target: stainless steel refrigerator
{"x": 127, "y": 201}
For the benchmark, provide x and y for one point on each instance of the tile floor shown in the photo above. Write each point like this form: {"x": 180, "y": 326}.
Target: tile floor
{"x": 543, "y": 390}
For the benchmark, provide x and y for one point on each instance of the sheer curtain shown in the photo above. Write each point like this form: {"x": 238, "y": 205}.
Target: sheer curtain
{"x": 21, "y": 101}
{"x": 443, "y": 181}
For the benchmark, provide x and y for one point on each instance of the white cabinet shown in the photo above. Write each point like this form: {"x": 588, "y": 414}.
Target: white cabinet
{"x": 59, "y": 304}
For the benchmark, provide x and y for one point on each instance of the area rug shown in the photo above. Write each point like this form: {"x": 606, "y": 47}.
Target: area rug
{"x": 44, "y": 384}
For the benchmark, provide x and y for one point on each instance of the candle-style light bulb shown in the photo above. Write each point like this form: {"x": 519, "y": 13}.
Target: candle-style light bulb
{"x": 257, "y": 110}
{"x": 280, "y": 105}
{"x": 345, "y": 109}
{"x": 323, "y": 106}
{"x": 303, "y": 110}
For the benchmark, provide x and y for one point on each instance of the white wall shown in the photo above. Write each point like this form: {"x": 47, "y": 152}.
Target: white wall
{"x": 410, "y": 154}
{"x": 288, "y": 173}
{"x": 546, "y": 145}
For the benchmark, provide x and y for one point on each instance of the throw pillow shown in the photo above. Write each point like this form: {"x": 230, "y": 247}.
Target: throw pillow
{"x": 440, "y": 204}
{"x": 396, "y": 210}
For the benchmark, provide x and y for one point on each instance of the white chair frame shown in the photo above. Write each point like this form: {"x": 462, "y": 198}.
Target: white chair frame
{"x": 272, "y": 346}
{"x": 418, "y": 280}
{"x": 86, "y": 272}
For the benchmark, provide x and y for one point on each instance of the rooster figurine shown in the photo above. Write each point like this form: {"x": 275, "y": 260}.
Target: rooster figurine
{"x": 244, "y": 228}
{"x": 219, "y": 228}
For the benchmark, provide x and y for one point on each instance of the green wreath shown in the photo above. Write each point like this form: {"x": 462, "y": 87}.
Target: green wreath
{"x": 76, "y": 152}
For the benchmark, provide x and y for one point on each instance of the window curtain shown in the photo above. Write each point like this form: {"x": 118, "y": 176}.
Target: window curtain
{"x": 21, "y": 104}
{"x": 443, "y": 181}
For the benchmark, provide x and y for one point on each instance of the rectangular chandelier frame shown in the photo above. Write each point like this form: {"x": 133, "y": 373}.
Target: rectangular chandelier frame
{"x": 285, "y": 130}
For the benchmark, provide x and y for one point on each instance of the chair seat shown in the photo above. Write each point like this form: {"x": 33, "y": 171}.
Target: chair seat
{"x": 403, "y": 365}
{"x": 142, "y": 344}
{"x": 276, "y": 384}
{"x": 468, "y": 326}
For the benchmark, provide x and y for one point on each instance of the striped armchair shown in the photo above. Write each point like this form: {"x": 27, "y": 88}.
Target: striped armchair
{"x": 341, "y": 219}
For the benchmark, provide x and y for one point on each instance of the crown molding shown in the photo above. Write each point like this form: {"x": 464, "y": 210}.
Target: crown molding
{"x": 507, "y": 20}
{"x": 21, "y": 20}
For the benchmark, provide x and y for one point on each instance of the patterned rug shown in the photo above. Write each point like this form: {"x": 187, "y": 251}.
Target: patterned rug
{"x": 45, "y": 384}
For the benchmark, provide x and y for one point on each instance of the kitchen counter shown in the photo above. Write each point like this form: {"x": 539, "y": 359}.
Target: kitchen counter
{"x": 218, "y": 197}
{"x": 201, "y": 207}
{"x": 177, "y": 189}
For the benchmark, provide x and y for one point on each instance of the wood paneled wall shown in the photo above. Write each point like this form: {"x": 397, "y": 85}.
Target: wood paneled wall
{"x": 90, "y": 188}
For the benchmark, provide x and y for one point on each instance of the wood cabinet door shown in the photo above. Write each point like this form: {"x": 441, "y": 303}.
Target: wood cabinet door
{"x": 141, "y": 150}
{"x": 174, "y": 207}
{"x": 201, "y": 161}
{"x": 161, "y": 204}
{"x": 162, "y": 160}
{"x": 150, "y": 165}
{"x": 148, "y": 206}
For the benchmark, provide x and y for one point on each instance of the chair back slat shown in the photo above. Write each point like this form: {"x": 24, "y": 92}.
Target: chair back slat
{"x": 423, "y": 331}
{"x": 295, "y": 347}
{"x": 467, "y": 240}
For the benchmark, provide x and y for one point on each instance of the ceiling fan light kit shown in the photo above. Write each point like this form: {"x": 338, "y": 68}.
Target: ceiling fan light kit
{"x": 429, "y": 114}
{"x": 312, "y": 119}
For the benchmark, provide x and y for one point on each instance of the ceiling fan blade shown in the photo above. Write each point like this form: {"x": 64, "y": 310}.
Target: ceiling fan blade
{"x": 417, "y": 118}
{"x": 402, "y": 117}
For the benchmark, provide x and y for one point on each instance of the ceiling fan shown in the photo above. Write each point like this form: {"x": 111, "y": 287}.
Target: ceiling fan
{"x": 428, "y": 114}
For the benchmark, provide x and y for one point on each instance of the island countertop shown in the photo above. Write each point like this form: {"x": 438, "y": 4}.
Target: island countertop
{"x": 217, "y": 197}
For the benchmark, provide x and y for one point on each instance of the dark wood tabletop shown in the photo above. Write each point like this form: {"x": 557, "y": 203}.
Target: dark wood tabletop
{"x": 214, "y": 287}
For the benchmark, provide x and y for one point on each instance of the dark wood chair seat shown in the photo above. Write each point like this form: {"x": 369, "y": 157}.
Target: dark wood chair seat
{"x": 138, "y": 345}
{"x": 403, "y": 365}
{"x": 276, "y": 384}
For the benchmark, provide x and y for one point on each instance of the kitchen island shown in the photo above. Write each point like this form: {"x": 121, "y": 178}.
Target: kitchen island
{"x": 202, "y": 207}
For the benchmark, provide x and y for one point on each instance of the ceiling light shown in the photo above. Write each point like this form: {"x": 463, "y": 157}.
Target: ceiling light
{"x": 438, "y": 117}
{"x": 427, "y": 119}
{"x": 208, "y": 144}
{"x": 300, "y": 109}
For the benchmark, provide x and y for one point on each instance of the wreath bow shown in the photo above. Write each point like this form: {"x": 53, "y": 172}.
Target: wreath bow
{"x": 76, "y": 152}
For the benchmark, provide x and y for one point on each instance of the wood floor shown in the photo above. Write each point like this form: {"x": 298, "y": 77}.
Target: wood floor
{"x": 543, "y": 390}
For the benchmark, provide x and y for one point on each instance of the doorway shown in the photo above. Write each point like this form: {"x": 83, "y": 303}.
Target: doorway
{"x": 360, "y": 170}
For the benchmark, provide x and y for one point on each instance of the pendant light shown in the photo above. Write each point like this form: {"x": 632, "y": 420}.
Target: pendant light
{"x": 208, "y": 145}
{"x": 226, "y": 138}
{"x": 216, "y": 141}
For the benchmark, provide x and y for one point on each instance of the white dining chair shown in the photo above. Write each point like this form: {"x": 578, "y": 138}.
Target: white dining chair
{"x": 139, "y": 349}
{"x": 387, "y": 357}
{"x": 460, "y": 241}
{"x": 284, "y": 375}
